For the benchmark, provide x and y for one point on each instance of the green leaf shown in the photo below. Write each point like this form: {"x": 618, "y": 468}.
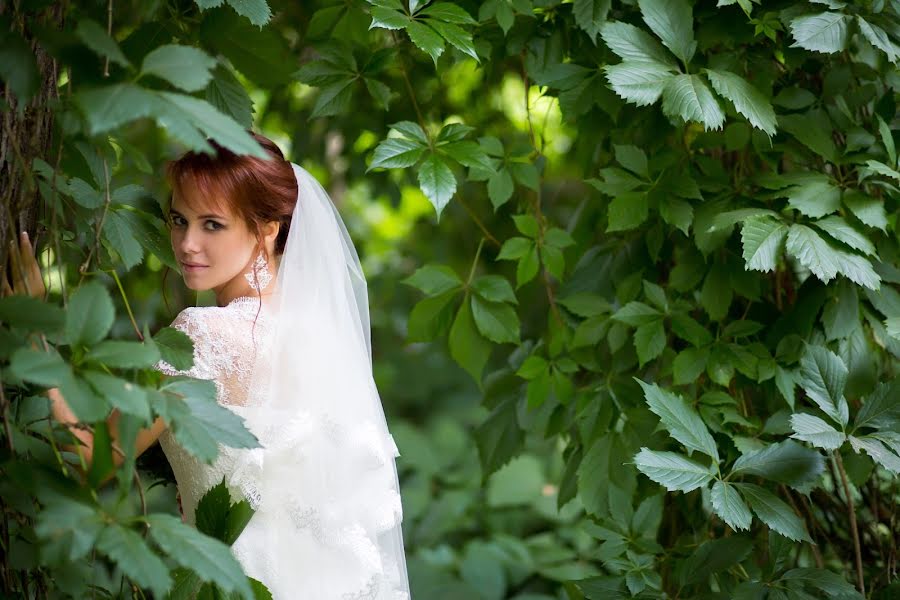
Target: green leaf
{"x": 677, "y": 212}
{"x": 437, "y": 182}
{"x": 632, "y": 158}
{"x": 200, "y": 424}
{"x": 673, "y": 22}
{"x": 431, "y": 317}
{"x": 227, "y": 94}
{"x": 434, "y": 279}
{"x": 124, "y": 395}
{"x": 528, "y": 267}
{"x": 748, "y": 100}
{"x": 842, "y": 231}
{"x": 817, "y": 432}
{"x": 649, "y": 341}
{"x": 716, "y": 293}
{"x": 43, "y": 368}
{"x": 808, "y": 130}
{"x": 31, "y": 313}
{"x": 815, "y": 198}
{"x": 828, "y": 581}
{"x": 674, "y": 471}
{"x": 220, "y": 518}
{"x": 185, "y": 67}
{"x": 627, "y": 211}
{"x": 333, "y": 99}
{"x": 257, "y": 11}
{"x": 387, "y": 18}
{"x": 812, "y": 251}
{"x": 396, "y": 153}
{"x": 222, "y": 128}
{"x": 426, "y": 39}
{"x": 496, "y": 321}
{"x": 714, "y": 556}
{"x": 631, "y": 43}
{"x": 762, "y": 239}
{"x": 680, "y": 419}
{"x": 467, "y": 153}
{"x": 500, "y": 188}
{"x": 824, "y": 32}
{"x": 211, "y": 559}
{"x": 887, "y": 138}
{"x": 499, "y": 437}
{"x": 18, "y": 66}
{"x": 879, "y": 38}
{"x": 687, "y": 96}
{"x": 823, "y": 376}
{"x": 881, "y": 408}
{"x": 690, "y": 330}
{"x": 878, "y": 451}
{"x": 131, "y": 553}
{"x": 637, "y": 313}
{"x": 467, "y": 347}
{"x": 175, "y": 347}
{"x": 494, "y": 288}
{"x": 447, "y": 12}
{"x": 868, "y": 210}
{"x": 785, "y": 462}
{"x": 118, "y": 231}
{"x": 590, "y": 15}
{"x": 412, "y": 131}
{"x": 638, "y": 81}
{"x": 730, "y": 507}
{"x": 689, "y": 364}
{"x": 90, "y": 314}
{"x": 95, "y": 37}
{"x": 456, "y": 36}
{"x": 121, "y": 354}
{"x": 515, "y": 248}
{"x": 774, "y": 512}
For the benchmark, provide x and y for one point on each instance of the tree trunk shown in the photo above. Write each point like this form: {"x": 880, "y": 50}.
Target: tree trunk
{"x": 27, "y": 131}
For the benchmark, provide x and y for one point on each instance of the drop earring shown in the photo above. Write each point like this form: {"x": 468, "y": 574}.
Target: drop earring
{"x": 262, "y": 274}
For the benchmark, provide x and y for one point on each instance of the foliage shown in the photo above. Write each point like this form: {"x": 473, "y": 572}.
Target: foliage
{"x": 658, "y": 292}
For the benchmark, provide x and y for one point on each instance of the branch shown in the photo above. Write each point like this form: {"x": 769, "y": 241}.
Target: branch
{"x": 852, "y": 513}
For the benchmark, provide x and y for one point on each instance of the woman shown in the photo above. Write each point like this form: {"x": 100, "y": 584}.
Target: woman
{"x": 287, "y": 346}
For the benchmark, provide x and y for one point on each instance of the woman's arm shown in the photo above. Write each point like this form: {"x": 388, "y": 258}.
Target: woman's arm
{"x": 61, "y": 411}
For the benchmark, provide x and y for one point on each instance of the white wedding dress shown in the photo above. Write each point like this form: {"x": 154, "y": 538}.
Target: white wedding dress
{"x": 283, "y": 541}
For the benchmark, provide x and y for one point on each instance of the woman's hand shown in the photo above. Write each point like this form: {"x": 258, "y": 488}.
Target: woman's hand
{"x": 23, "y": 270}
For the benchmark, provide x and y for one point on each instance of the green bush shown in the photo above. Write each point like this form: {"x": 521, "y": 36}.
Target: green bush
{"x": 663, "y": 256}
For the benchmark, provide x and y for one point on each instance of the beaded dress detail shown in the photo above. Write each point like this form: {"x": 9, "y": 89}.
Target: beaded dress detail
{"x": 227, "y": 344}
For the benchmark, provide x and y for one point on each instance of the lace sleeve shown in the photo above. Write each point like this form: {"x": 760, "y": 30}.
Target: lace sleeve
{"x": 191, "y": 321}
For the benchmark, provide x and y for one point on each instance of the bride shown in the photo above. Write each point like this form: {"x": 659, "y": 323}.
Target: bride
{"x": 288, "y": 348}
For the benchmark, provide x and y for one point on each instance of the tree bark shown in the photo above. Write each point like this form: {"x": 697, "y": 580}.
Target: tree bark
{"x": 27, "y": 131}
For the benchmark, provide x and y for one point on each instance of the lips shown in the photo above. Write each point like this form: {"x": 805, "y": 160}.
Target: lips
{"x": 192, "y": 266}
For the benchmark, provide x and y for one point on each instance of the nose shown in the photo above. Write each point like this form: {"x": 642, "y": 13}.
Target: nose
{"x": 186, "y": 241}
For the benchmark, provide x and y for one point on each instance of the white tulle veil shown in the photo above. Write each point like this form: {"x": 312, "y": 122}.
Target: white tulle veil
{"x": 324, "y": 484}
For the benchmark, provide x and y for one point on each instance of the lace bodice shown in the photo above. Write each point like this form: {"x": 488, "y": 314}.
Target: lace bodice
{"x": 225, "y": 346}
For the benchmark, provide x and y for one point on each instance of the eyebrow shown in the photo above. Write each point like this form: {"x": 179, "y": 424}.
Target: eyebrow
{"x": 172, "y": 210}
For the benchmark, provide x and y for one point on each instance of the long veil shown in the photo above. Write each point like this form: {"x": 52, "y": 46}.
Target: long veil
{"x": 324, "y": 484}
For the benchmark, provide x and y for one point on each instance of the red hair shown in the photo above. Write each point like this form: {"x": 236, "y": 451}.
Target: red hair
{"x": 255, "y": 189}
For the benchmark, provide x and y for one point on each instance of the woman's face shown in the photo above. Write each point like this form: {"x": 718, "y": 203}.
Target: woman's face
{"x": 214, "y": 248}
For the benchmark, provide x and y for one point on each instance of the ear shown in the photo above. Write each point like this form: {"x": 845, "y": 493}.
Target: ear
{"x": 270, "y": 231}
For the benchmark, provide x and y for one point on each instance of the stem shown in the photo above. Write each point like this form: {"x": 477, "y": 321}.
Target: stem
{"x": 96, "y": 246}
{"x": 481, "y": 226}
{"x": 852, "y": 513}
{"x": 475, "y": 263}
{"x": 127, "y": 304}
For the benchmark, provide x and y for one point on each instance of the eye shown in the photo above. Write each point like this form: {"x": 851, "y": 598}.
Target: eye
{"x": 176, "y": 220}
{"x": 216, "y": 225}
